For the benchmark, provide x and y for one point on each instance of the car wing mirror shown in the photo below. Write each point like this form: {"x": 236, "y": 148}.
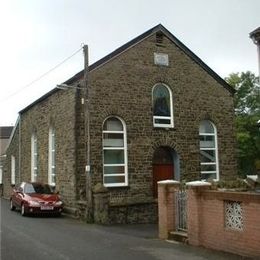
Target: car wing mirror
{"x": 19, "y": 190}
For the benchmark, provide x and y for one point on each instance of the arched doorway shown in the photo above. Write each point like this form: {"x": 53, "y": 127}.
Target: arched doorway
{"x": 165, "y": 166}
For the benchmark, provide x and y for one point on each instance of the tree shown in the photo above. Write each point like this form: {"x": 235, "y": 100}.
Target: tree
{"x": 247, "y": 98}
{"x": 247, "y": 109}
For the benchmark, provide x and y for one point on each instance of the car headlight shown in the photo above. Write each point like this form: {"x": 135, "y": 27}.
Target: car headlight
{"x": 58, "y": 203}
{"x": 34, "y": 203}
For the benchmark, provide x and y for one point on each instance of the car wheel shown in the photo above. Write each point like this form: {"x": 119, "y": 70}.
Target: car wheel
{"x": 12, "y": 207}
{"x": 58, "y": 215}
{"x": 23, "y": 210}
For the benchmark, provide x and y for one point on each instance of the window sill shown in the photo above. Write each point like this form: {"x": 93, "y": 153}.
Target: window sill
{"x": 168, "y": 128}
{"x": 118, "y": 187}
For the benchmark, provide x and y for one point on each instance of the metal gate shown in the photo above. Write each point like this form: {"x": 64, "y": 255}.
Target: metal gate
{"x": 181, "y": 210}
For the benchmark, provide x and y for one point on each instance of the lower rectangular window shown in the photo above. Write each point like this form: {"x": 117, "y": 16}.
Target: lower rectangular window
{"x": 114, "y": 170}
{"x": 114, "y": 179}
{"x": 208, "y": 175}
{"x": 159, "y": 121}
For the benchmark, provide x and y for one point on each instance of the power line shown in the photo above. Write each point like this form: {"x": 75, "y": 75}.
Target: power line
{"x": 41, "y": 76}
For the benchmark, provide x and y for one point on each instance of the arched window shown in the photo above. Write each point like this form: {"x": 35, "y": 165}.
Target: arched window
{"x": 162, "y": 106}
{"x": 114, "y": 153}
{"x": 13, "y": 170}
{"x": 208, "y": 150}
{"x": 34, "y": 157}
{"x": 51, "y": 161}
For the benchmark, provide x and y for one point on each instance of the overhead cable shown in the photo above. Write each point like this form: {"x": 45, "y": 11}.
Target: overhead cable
{"x": 40, "y": 77}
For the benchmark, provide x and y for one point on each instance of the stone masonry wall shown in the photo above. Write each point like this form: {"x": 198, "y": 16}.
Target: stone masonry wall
{"x": 123, "y": 87}
{"x": 57, "y": 111}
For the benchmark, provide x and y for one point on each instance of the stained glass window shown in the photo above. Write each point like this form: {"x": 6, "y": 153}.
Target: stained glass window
{"x": 162, "y": 106}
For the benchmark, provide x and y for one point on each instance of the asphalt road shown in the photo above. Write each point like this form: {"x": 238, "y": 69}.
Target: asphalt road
{"x": 63, "y": 238}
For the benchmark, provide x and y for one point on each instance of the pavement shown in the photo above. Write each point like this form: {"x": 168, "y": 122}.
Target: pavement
{"x": 172, "y": 249}
{"x": 65, "y": 238}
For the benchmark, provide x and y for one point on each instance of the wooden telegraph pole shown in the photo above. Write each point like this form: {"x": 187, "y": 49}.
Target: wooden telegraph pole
{"x": 89, "y": 199}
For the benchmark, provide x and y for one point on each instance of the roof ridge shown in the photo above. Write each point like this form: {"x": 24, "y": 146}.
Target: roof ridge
{"x": 171, "y": 37}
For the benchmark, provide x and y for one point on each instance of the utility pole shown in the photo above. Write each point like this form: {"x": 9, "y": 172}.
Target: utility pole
{"x": 89, "y": 200}
{"x": 255, "y": 36}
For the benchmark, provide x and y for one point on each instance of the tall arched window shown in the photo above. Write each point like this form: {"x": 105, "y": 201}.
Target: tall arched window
{"x": 13, "y": 170}
{"x": 208, "y": 150}
{"x": 114, "y": 153}
{"x": 34, "y": 157}
{"x": 162, "y": 106}
{"x": 51, "y": 161}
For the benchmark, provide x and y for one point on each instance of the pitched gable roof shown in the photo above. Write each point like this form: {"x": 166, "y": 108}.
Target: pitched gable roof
{"x": 130, "y": 44}
{"x": 171, "y": 37}
{"x": 5, "y": 132}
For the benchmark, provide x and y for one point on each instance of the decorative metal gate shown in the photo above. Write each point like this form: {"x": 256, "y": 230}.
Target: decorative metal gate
{"x": 181, "y": 210}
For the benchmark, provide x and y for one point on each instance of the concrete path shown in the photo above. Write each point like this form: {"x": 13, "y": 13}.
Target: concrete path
{"x": 30, "y": 238}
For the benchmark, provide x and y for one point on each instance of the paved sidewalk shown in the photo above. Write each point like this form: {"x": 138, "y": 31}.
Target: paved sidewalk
{"x": 171, "y": 250}
{"x": 47, "y": 238}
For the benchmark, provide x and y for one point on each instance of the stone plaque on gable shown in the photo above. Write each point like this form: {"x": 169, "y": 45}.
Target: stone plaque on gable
{"x": 161, "y": 59}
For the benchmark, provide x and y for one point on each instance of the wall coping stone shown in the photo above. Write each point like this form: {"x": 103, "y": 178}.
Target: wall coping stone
{"x": 130, "y": 203}
{"x": 168, "y": 182}
{"x": 198, "y": 183}
{"x": 249, "y": 196}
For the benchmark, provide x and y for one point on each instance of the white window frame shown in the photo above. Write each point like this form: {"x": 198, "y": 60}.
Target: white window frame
{"x": 12, "y": 170}
{"x": 215, "y": 149}
{"x": 124, "y": 148}
{"x": 34, "y": 158}
{"x": 1, "y": 174}
{"x": 171, "y": 118}
{"x": 51, "y": 159}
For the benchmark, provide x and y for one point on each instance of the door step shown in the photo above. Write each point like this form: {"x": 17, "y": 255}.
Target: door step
{"x": 179, "y": 236}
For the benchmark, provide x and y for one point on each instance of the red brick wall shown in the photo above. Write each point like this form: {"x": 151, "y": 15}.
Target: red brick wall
{"x": 206, "y": 221}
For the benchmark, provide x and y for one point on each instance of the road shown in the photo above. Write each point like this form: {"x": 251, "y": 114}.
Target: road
{"x": 64, "y": 238}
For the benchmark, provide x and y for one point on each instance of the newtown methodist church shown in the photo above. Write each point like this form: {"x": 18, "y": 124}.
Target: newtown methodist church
{"x": 150, "y": 110}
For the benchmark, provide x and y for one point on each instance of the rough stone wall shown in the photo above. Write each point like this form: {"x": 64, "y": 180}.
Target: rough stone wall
{"x": 123, "y": 87}
{"x": 57, "y": 111}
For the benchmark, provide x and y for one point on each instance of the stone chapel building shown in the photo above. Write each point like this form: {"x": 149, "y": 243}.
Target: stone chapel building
{"x": 148, "y": 111}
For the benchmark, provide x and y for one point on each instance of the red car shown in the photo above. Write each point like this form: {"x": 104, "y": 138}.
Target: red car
{"x": 34, "y": 197}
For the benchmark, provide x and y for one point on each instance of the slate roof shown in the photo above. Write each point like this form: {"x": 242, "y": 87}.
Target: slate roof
{"x": 5, "y": 132}
{"x": 115, "y": 53}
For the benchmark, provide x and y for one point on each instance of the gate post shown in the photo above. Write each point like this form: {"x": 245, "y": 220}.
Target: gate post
{"x": 166, "y": 206}
{"x": 194, "y": 206}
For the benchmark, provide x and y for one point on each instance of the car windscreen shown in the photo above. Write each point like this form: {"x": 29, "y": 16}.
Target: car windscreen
{"x": 37, "y": 188}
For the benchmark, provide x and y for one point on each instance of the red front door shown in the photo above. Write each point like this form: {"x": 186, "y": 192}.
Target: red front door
{"x": 161, "y": 172}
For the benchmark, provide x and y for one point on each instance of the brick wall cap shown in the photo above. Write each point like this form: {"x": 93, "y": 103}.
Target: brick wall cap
{"x": 198, "y": 183}
{"x": 252, "y": 177}
{"x": 168, "y": 182}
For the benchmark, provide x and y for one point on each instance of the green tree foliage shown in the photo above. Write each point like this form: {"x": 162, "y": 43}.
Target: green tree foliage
{"x": 247, "y": 109}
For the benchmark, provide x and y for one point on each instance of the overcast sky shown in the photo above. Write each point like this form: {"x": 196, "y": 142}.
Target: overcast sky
{"x": 36, "y": 35}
